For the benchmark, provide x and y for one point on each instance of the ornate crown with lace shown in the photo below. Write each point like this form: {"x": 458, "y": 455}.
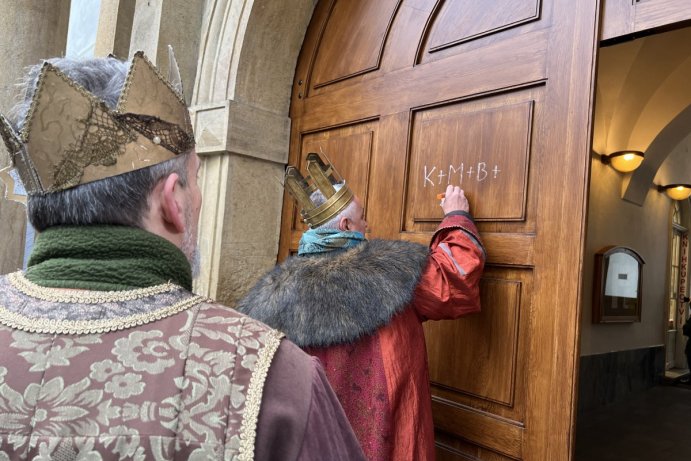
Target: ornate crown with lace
{"x": 70, "y": 137}
{"x": 321, "y": 176}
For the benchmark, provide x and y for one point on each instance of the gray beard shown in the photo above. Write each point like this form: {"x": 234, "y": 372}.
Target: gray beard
{"x": 190, "y": 248}
{"x": 194, "y": 260}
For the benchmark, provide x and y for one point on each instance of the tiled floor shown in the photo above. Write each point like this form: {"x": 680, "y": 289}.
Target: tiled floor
{"x": 653, "y": 425}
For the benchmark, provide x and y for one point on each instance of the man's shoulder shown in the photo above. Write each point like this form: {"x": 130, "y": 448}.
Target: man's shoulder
{"x": 337, "y": 298}
{"x": 213, "y": 313}
{"x": 287, "y": 354}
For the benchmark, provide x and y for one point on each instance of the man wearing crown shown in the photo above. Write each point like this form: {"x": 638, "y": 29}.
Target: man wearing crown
{"x": 106, "y": 352}
{"x": 358, "y": 306}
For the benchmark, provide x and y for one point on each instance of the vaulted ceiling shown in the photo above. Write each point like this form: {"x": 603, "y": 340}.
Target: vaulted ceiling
{"x": 643, "y": 102}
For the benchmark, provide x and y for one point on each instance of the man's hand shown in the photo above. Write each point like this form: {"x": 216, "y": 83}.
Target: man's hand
{"x": 454, "y": 200}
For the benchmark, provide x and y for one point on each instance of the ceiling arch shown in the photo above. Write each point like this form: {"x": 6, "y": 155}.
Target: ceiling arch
{"x": 643, "y": 102}
{"x": 660, "y": 149}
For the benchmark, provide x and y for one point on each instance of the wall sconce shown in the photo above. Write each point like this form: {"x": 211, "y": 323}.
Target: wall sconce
{"x": 624, "y": 161}
{"x": 676, "y": 191}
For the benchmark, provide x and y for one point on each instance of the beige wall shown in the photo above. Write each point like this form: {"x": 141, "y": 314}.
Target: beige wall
{"x": 158, "y": 24}
{"x": 247, "y": 58}
{"x": 677, "y": 166}
{"x": 613, "y": 221}
{"x": 30, "y": 30}
{"x": 114, "y": 28}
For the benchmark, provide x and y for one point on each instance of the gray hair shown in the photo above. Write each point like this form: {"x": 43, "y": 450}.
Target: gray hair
{"x": 319, "y": 199}
{"x": 120, "y": 200}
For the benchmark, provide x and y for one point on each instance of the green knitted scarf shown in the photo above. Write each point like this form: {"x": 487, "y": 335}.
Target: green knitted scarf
{"x": 105, "y": 258}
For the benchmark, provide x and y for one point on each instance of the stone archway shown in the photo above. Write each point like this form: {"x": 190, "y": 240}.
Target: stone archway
{"x": 248, "y": 51}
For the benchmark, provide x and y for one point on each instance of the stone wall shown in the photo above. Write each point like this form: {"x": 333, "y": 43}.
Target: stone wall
{"x": 30, "y": 30}
{"x": 247, "y": 60}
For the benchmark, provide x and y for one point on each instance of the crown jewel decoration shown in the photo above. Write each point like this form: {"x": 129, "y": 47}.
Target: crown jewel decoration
{"x": 70, "y": 137}
{"x": 322, "y": 176}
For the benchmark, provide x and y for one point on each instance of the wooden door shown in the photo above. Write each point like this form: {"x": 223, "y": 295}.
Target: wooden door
{"x": 405, "y": 96}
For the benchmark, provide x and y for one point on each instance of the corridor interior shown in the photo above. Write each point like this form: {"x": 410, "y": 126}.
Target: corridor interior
{"x": 631, "y": 403}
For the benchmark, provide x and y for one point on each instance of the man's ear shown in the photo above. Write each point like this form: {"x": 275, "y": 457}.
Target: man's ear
{"x": 171, "y": 206}
{"x": 344, "y": 224}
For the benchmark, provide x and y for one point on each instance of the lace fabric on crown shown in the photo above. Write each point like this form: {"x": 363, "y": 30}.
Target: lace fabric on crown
{"x": 103, "y": 140}
{"x": 69, "y": 137}
{"x": 169, "y": 135}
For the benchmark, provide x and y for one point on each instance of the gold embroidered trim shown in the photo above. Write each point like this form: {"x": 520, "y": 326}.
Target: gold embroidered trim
{"x": 253, "y": 401}
{"x": 59, "y": 295}
{"x": 78, "y": 327}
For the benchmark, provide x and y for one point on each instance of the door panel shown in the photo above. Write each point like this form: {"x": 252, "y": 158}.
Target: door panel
{"x": 480, "y": 145}
{"x": 350, "y": 147}
{"x": 495, "y": 97}
{"x": 450, "y": 448}
{"x": 485, "y": 368}
{"x": 460, "y": 22}
{"x": 479, "y": 71}
{"x": 342, "y": 53}
{"x": 478, "y": 364}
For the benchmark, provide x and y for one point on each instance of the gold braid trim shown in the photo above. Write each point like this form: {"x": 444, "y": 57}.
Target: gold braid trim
{"x": 78, "y": 327}
{"x": 60, "y": 295}
{"x": 253, "y": 401}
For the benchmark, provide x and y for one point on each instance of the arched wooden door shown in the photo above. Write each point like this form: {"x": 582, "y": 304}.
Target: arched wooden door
{"x": 405, "y": 96}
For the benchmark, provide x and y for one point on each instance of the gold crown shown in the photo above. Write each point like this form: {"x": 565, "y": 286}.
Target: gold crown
{"x": 70, "y": 137}
{"x": 322, "y": 176}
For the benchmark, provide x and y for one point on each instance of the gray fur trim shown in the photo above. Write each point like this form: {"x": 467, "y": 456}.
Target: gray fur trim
{"x": 338, "y": 297}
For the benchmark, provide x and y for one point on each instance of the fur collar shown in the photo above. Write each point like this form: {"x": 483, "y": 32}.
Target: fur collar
{"x": 338, "y": 297}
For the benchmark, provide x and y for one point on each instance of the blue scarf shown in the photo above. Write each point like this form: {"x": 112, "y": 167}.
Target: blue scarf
{"x": 316, "y": 241}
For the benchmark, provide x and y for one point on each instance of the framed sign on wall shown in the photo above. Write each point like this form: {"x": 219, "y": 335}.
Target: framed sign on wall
{"x": 617, "y": 286}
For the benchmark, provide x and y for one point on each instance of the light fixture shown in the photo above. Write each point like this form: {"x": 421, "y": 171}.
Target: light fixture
{"x": 676, "y": 191}
{"x": 624, "y": 161}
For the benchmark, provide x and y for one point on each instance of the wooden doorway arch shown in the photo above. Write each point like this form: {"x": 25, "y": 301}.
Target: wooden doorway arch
{"x": 407, "y": 96}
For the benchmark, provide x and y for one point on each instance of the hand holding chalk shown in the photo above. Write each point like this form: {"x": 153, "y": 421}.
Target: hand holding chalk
{"x": 453, "y": 200}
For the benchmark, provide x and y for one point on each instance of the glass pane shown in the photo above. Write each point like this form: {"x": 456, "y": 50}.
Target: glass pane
{"x": 674, "y": 272}
{"x": 622, "y": 276}
{"x": 81, "y": 33}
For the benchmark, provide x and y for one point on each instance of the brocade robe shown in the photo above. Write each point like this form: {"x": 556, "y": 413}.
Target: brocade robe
{"x": 155, "y": 373}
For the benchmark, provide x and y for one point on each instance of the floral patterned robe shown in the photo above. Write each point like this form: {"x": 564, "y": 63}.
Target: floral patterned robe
{"x": 154, "y": 373}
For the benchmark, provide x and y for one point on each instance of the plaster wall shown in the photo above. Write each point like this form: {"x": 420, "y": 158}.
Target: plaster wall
{"x": 30, "y": 30}
{"x": 247, "y": 57}
{"x": 646, "y": 228}
{"x": 114, "y": 28}
{"x": 677, "y": 166}
{"x": 158, "y": 24}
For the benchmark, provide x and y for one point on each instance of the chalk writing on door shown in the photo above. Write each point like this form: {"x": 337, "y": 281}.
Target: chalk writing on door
{"x": 459, "y": 174}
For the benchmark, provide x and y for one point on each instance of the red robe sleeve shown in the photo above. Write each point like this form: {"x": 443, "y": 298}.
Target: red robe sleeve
{"x": 450, "y": 284}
